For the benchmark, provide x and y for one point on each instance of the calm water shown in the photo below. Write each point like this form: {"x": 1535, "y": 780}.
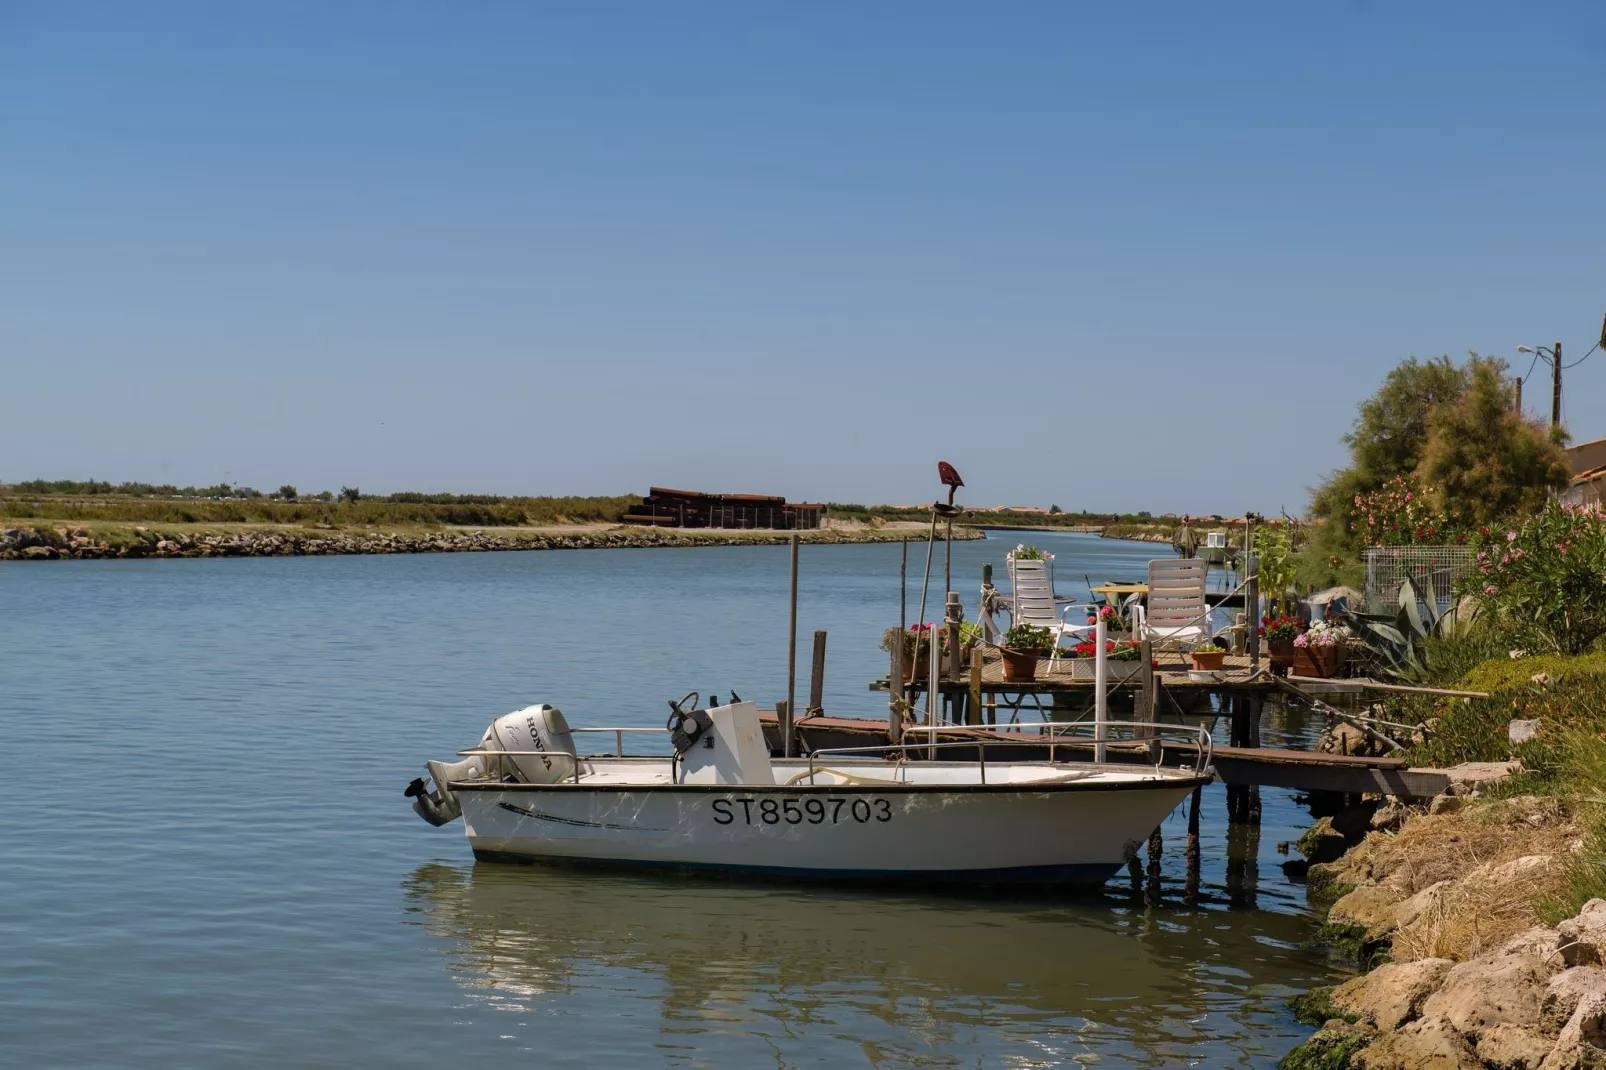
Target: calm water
{"x": 208, "y": 862}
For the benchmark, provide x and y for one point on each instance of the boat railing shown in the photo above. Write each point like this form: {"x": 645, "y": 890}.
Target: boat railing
{"x": 1057, "y": 734}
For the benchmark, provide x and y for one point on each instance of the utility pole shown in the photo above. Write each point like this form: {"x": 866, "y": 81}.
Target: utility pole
{"x": 1555, "y": 385}
{"x": 1519, "y": 397}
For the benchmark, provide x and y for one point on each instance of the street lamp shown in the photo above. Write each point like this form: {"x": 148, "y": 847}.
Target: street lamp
{"x": 1552, "y": 354}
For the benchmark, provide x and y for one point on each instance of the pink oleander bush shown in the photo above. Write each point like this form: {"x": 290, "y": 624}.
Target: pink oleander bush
{"x": 1545, "y": 579}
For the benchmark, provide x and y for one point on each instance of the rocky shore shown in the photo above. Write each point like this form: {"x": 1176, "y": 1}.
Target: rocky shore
{"x": 44, "y": 544}
{"x": 1441, "y": 902}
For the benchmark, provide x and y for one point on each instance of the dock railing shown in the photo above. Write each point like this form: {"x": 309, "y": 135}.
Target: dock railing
{"x": 1069, "y": 734}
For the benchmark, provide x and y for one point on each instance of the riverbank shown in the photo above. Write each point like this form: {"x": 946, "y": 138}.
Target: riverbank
{"x": 1481, "y": 918}
{"x": 102, "y": 541}
{"x": 1467, "y": 975}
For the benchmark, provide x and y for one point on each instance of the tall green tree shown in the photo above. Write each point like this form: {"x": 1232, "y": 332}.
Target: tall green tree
{"x": 1484, "y": 461}
{"x": 1446, "y": 425}
{"x": 1388, "y": 439}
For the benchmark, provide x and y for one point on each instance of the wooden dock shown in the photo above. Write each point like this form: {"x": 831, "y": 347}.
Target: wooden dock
{"x": 1258, "y": 766}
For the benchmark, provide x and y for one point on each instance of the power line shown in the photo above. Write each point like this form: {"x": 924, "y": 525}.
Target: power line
{"x": 1581, "y": 359}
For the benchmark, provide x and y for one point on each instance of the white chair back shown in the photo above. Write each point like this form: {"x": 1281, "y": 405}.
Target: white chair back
{"x": 1032, "y": 594}
{"x": 1177, "y": 594}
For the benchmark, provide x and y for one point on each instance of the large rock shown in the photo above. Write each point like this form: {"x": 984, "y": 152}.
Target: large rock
{"x": 1511, "y": 1047}
{"x": 1322, "y": 842}
{"x": 1505, "y": 987}
{"x": 1582, "y": 940}
{"x": 1583, "y": 1039}
{"x": 1392, "y": 994}
{"x": 1563, "y": 993}
{"x": 1371, "y": 906}
{"x": 1431, "y": 1044}
{"x": 1471, "y": 778}
{"x": 1424, "y": 903}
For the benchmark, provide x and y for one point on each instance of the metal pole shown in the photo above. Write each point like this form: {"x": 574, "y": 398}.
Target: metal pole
{"x": 925, "y": 584}
{"x": 791, "y": 660}
{"x": 1555, "y": 385}
{"x": 1100, "y": 699}
{"x": 903, "y": 606}
{"x": 1252, "y": 592}
{"x": 948, "y": 560}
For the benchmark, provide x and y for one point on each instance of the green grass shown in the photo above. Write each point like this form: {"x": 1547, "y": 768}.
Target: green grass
{"x": 1566, "y": 759}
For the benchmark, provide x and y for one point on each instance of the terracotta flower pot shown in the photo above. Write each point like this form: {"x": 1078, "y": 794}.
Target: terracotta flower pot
{"x": 1209, "y": 658}
{"x": 1019, "y": 665}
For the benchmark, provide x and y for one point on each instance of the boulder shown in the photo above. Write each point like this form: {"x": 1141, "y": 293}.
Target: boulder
{"x": 1583, "y": 1039}
{"x": 1470, "y": 777}
{"x": 1431, "y": 1044}
{"x": 1322, "y": 842}
{"x": 1521, "y": 731}
{"x": 1505, "y": 987}
{"x": 1446, "y": 803}
{"x": 1371, "y": 906}
{"x": 1425, "y": 902}
{"x": 1511, "y": 1047}
{"x": 1392, "y": 994}
{"x": 1563, "y": 993}
{"x": 1582, "y": 940}
{"x": 1354, "y": 822}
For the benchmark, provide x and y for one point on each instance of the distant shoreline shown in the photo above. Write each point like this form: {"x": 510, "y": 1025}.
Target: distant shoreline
{"x": 94, "y": 542}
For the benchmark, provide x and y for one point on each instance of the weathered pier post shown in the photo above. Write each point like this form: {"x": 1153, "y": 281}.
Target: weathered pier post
{"x": 1190, "y": 885}
{"x": 817, "y": 675}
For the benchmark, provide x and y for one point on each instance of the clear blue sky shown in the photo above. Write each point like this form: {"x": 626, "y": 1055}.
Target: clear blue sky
{"x": 1111, "y": 256}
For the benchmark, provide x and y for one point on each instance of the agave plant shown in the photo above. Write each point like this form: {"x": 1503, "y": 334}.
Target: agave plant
{"x": 1393, "y": 642}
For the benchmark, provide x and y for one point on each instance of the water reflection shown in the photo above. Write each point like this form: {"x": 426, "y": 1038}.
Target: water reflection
{"x": 721, "y": 975}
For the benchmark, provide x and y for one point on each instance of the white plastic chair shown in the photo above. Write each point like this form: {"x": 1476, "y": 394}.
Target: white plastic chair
{"x": 1032, "y": 602}
{"x": 1177, "y": 613}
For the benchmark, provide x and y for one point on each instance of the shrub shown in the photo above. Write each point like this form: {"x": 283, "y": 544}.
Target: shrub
{"x": 1546, "y": 579}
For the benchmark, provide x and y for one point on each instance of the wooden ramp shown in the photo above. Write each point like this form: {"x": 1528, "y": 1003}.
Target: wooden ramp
{"x": 1263, "y": 766}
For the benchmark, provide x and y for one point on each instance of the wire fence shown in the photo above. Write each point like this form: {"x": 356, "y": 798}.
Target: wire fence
{"x": 1432, "y": 570}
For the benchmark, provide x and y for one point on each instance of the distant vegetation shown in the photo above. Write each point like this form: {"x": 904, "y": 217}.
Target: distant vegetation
{"x": 225, "y": 503}
{"x": 1053, "y": 517}
{"x": 91, "y": 500}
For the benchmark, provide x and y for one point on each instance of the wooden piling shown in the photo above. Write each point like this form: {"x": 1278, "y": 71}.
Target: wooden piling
{"x": 895, "y": 696}
{"x": 817, "y": 675}
{"x": 1190, "y": 884}
{"x": 973, "y": 713}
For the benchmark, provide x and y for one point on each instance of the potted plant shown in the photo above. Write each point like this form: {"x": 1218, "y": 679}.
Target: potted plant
{"x": 1022, "y": 646}
{"x": 1280, "y": 633}
{"x": 1319, "y": 650}
{"x": 1208, "y": 658}
{"x": 1123, "y": 660}
{"x": 916, "y": 640}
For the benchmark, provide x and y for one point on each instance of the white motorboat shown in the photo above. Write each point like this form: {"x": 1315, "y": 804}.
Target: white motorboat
{"x": 719, "y": 802}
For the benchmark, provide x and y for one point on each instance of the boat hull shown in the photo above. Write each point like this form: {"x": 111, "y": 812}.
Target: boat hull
{"x": 1076, "y": 833}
